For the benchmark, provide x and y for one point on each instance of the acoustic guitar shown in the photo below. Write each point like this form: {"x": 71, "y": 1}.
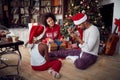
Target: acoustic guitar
{"x": 111, "y": 43}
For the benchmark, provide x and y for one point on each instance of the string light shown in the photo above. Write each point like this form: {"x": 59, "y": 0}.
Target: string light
{"x": 95, "y": 21}
{"x": 103, "y": 27}
{"x": 70, "y": 15}
{"x": 72, "y": 4}
{"x": 96, "y": 1}
{"x": 88, "y": 7}
{"x": 81, "y": 2}
{"x": 66, "y": 16}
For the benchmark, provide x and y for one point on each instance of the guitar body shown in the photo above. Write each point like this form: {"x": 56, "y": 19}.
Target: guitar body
{"x": 111, "y": 44}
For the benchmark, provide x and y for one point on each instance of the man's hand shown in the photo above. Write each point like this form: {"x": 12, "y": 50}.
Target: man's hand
{"x": 73, "y": 35}
{"x": 69, "y": 30}
{"x": 77, "y": 38}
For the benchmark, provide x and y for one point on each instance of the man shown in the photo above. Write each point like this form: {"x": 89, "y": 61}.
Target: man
{"x": 89, "y": 44}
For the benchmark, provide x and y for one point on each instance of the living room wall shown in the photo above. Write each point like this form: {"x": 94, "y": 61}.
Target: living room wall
{"x": 116, "y": 14}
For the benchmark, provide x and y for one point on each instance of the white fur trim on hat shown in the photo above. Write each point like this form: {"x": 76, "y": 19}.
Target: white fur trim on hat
{"x": 42, "y": 34}
{"x": 30, "y": 25}
{"x": 83, "y": 19}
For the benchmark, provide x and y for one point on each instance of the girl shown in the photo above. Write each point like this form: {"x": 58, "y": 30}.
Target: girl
{"x": 40, "y": 60}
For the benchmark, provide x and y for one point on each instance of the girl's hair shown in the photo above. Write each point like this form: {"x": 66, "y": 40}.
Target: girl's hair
{"x": 45, "y": 17}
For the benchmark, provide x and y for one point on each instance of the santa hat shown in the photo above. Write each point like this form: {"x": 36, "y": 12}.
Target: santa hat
{"x": 79, "y": 18}
{"x": 36, "y": 32}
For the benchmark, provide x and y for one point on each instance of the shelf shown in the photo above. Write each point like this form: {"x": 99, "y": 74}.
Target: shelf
{"x": 19, "y": 11}
{"x": 54, "y": 6}
{"x": 22, "y": 12}
{"x": 57, "y": 9}
{"x": 57, "y": 2}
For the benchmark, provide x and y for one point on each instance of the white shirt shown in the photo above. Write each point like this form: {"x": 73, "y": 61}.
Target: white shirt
{"x": 36, "y": 58}
{"x": 91, "y": 38}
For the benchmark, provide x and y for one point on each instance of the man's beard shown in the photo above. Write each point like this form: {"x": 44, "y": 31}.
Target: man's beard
{"x": 83, "y": 28}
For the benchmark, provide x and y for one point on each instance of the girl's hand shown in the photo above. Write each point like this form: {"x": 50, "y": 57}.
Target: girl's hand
{"x": 50, "y": 40}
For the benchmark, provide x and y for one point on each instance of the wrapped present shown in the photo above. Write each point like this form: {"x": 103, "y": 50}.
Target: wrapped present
{"x": 52, "y": 47}
{"x": 63, "y": 46}
{"x": 74, "y": 45}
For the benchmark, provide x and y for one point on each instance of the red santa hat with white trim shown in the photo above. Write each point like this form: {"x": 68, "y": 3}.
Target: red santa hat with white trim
{"x": 79, "y": 18}
{"x": 37, "y": 32}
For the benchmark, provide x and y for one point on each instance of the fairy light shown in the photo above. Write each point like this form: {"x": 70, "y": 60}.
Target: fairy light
{"x": 72, "y": 4}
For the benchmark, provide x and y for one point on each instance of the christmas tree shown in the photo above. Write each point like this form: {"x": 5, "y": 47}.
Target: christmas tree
{"x": 88, "y": 7}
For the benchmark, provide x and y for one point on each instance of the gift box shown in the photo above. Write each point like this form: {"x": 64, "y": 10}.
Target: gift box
{"x": 52, "y": 47}
{"x": 63, "y": 46}
{"x": 74, "y": 45}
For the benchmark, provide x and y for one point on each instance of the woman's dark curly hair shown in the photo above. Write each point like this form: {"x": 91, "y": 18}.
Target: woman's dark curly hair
{"x": 45, "y": 17}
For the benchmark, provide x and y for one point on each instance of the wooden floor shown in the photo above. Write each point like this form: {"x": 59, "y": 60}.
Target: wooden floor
{"x": 106, "y": 68}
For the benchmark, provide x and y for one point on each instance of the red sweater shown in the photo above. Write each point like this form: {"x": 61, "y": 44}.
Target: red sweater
{"x": 54, "y": 32}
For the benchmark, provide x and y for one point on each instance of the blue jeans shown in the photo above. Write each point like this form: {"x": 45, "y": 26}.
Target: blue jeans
{"x": 57, "y": 42}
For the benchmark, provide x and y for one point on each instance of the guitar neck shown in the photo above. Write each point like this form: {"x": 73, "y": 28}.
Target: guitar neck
{"x": 115, "y": 30}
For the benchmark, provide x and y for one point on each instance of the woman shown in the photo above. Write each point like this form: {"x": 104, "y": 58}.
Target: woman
{"x": 53, "y": 34}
